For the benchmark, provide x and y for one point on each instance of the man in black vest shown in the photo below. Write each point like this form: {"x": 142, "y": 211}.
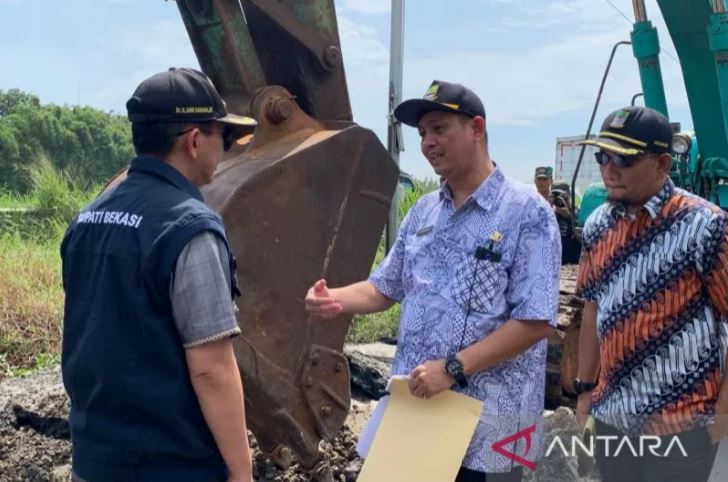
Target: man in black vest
{"x": 149, "y": 279}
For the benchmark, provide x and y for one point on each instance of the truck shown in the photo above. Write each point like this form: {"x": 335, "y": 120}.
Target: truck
{"x": 567, "y": 158}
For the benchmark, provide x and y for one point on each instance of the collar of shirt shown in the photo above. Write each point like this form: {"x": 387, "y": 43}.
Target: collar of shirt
{"x": 158, "y": 167}
{"x": 484, "y": 195}
{"x": 653, "y": 206}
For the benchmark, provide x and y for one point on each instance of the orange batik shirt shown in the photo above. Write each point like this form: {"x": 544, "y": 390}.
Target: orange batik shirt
{"x": 659, "y": 277}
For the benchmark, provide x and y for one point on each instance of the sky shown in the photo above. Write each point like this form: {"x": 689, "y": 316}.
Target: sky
{"x": 536, "y": 64}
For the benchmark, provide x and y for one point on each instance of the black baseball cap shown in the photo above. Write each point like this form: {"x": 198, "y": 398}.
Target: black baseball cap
{"x": 443, "y": 97}
{"x": 634, "y": 130}
{"x": 180, "y": 95}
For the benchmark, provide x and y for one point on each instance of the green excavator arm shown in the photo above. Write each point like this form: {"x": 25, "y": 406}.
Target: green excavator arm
{"x": 689, "y": 28}
{"x": 699, "y": 32}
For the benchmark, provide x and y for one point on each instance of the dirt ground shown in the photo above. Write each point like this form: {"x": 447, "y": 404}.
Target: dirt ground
{"x": 35, "y": 441}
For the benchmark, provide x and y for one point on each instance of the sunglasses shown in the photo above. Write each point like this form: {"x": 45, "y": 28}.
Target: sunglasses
{"x": 604, "y": 157}
{"x": 228, "y": 137}
{"x": 227, "y": 134}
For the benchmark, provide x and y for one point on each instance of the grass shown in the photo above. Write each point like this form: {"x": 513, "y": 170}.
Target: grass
{"x": 31, "y": 304}
{"x": 31, "y": 294}
{"x": 10, "y": 200}
{"x": 375, "y": 327}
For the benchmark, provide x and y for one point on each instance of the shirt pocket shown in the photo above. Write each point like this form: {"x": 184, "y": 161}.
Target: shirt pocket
{"x": 476, "y": 284}
{"x": 414, "y": 256}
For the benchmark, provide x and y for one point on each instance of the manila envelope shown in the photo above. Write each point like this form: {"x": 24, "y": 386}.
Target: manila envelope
{"x": 421, "y": 440}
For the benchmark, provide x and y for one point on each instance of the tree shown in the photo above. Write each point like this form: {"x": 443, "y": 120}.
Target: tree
{"x": 14, "y": 97}
{"x": 89, "y": 144}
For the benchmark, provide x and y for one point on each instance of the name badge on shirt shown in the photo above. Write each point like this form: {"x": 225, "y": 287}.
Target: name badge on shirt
{"x": 424, "y": 231}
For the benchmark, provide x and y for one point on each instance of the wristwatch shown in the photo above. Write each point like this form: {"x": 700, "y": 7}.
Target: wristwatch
{"x": 583, "y": 387}
{"x": 454, "y": 368}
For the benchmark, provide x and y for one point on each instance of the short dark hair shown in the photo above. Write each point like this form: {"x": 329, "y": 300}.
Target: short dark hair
{"x": 464, "y": 119}
{"x": 158, "y": 138}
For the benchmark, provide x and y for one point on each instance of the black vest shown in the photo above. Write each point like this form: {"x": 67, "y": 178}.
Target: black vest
{"x": 123, "y": 362}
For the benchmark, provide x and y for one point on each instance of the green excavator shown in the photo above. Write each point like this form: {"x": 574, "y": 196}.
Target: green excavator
{"x": 699, "y": 31}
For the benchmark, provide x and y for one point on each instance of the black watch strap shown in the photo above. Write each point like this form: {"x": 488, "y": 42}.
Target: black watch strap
{"x": 454, "y": 368}
{"x": 583, "y": 387}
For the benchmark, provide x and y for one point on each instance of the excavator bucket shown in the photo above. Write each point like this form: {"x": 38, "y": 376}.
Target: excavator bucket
{"x": 306, "y": 197}
{"x": 308, "y": 205}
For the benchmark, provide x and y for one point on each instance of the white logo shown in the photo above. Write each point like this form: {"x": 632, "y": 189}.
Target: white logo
{"x": 614, "y": 445}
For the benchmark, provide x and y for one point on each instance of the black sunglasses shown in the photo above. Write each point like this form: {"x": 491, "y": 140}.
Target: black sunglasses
{"x": 228, "y": 137}
{"x": 603, "y": 158}
{"x": 227, "y": 134}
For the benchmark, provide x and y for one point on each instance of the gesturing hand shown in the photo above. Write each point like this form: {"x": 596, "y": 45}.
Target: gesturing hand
{"x": 319, "y": 302}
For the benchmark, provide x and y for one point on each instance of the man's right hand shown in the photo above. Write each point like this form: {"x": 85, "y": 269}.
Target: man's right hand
{"x": 583, "y": 407}
{"x": 320, "y": 303}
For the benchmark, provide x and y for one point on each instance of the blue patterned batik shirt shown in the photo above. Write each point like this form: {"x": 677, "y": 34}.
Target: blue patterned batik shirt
{"x": 451, "y": 299}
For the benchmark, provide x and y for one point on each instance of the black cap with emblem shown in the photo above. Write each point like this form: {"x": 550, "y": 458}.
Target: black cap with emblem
{"x": 544, "y": 172}
{"x": 634, "y": 130}
{"x": 443, "y": 97}
{"x": 180, "y": 95}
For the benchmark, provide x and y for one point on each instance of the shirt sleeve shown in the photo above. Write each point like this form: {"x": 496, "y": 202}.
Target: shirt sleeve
{"x": 387, "y": 277}
{"x": 533, "y": 285}
{"x": 712, "y": 261}
{"x": 583, "y": 275}
{"x": 200, "y": 292}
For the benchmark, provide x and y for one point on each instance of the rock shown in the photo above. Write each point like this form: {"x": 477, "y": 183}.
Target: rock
{"x": 352, "y": 470}
{"x": 370, "y": 367}
{"x": 61, "y": 474}
{"x": 383, "y": 352}
{"x": 558, "y": 466}
{"x": 34, "y": 437}
{"x": 41, "y": 393}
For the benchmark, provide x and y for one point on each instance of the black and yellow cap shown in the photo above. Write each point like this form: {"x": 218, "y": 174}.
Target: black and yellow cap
{"x": 180, "y": 95}
{"x": 634, "y": 130}
{"x": 440, "y": 96}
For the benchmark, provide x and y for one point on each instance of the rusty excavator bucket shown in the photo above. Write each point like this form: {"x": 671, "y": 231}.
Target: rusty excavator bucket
{"x": 305, "y": 197}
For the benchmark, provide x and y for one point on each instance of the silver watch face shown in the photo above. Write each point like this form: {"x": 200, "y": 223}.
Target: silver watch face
{"x": 453, "y": 366}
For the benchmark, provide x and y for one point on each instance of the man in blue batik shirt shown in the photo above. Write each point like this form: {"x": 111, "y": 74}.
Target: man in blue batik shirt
{"x": 476, "y": 268}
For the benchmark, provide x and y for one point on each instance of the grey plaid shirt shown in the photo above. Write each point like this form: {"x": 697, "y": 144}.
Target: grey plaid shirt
{"x": 200, "y": 292}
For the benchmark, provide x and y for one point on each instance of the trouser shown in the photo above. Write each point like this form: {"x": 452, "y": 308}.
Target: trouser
{"x": 690, "y": 459}
{"x": 467, "y": 475}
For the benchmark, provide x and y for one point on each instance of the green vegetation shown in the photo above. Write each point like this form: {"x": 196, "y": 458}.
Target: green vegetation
{"x": 31, "y": 304}
{"x": 31, "y": 295}
{"x": 89, "y": 144}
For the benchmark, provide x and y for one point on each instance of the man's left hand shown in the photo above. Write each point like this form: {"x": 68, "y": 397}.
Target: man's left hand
{"x": 429, "y": 379}
{"x": 719, "y": 429}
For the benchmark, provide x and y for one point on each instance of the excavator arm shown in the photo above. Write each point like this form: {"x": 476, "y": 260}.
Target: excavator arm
{"x": 699, "y": 32}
